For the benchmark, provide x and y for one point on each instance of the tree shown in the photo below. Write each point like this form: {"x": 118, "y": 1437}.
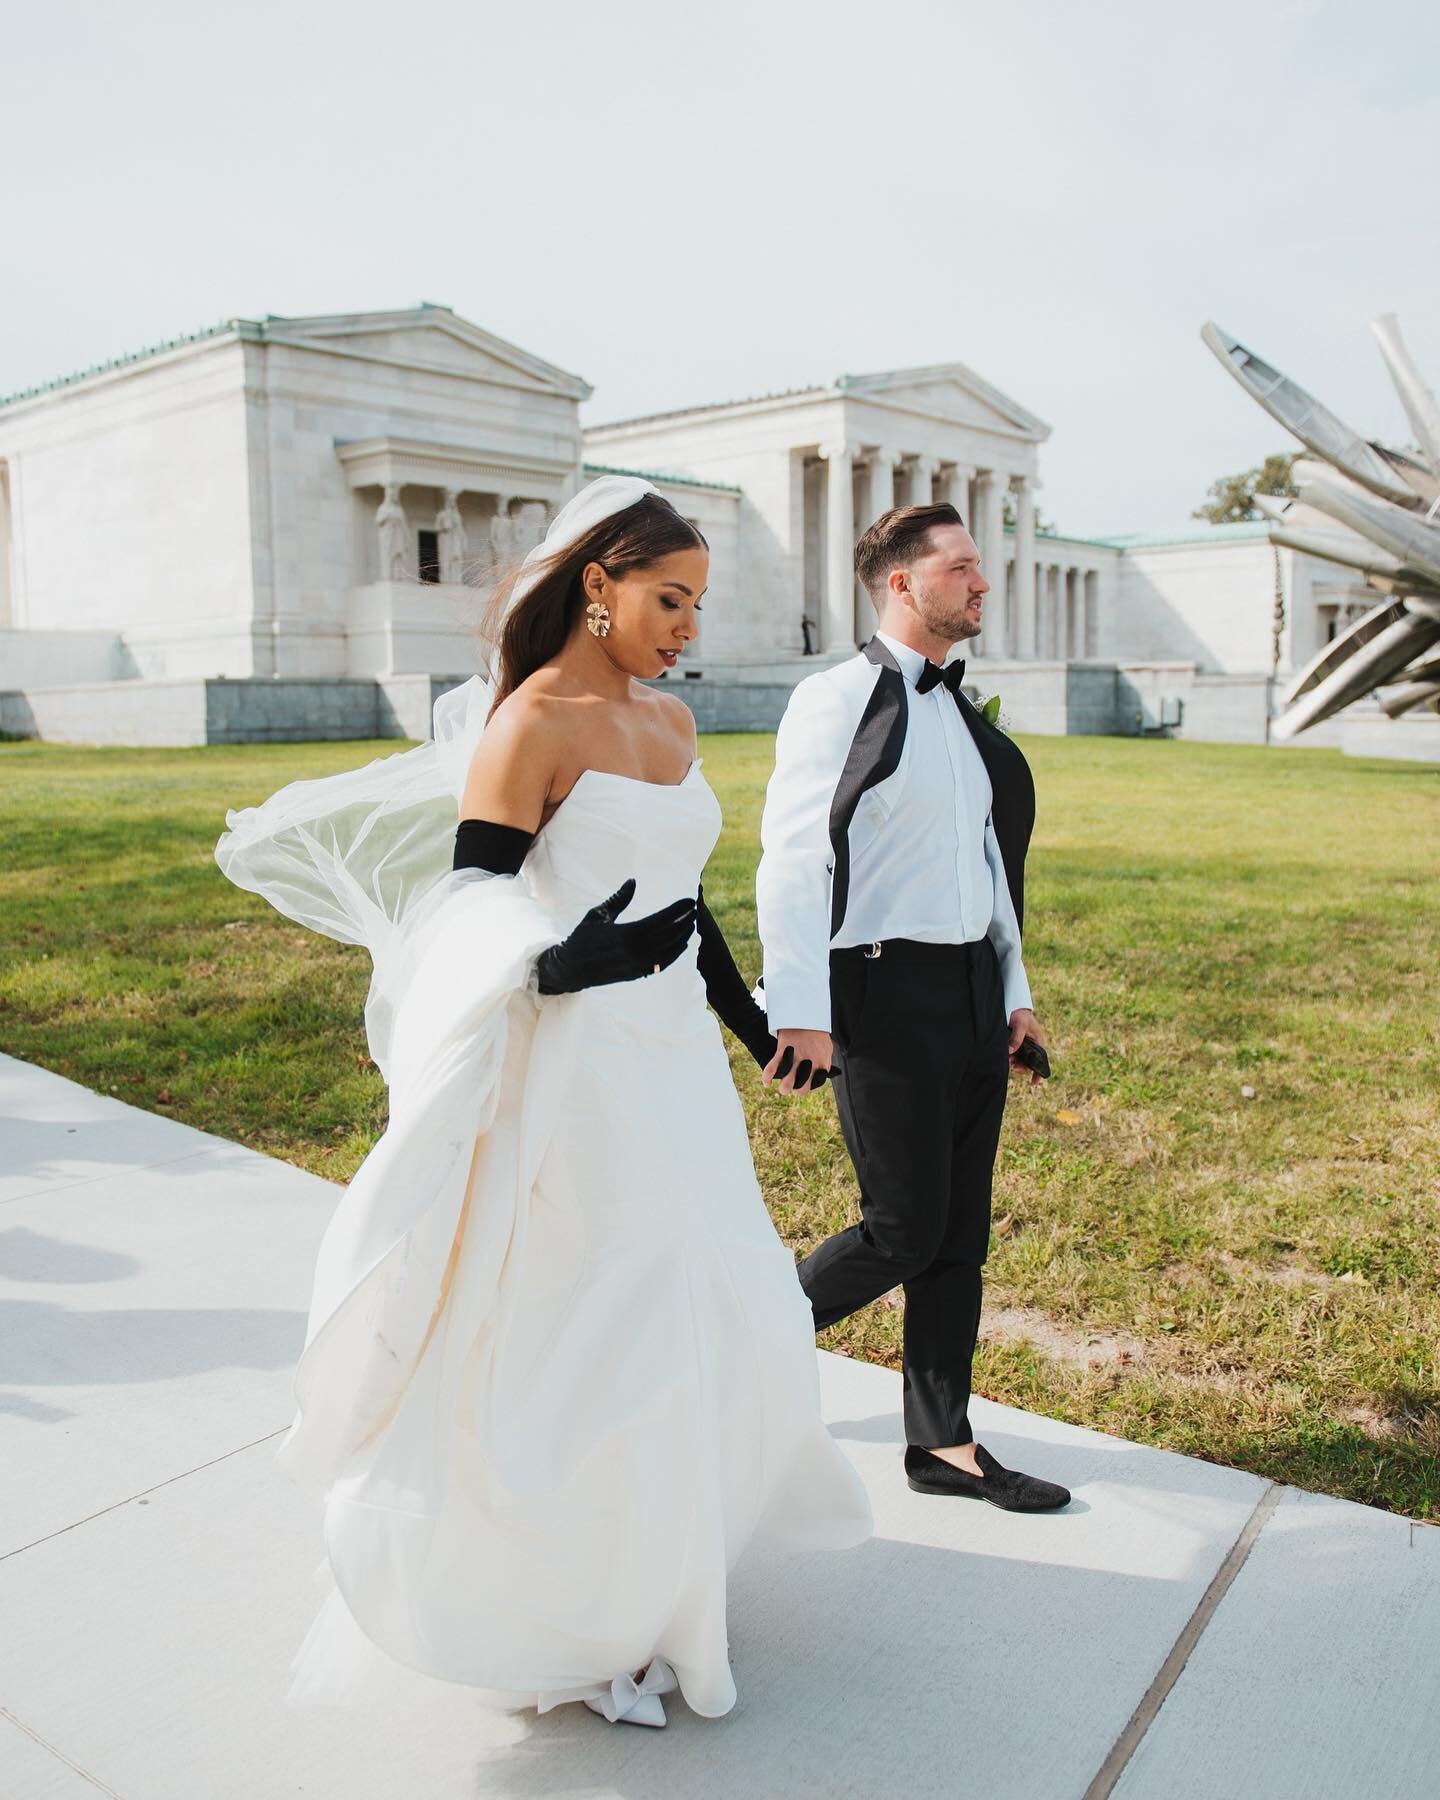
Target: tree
{"x": 1232, "y": 497}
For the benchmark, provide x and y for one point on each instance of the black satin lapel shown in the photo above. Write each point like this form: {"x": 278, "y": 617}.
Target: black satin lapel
{"x": 1013, "y": 805}
{"x": 874, "y": 755}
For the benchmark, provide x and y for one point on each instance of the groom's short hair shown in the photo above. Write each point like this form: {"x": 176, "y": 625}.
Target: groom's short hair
{"x": 896, "y": 539}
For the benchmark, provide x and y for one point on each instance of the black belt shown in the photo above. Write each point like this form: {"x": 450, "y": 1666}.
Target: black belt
{"x": 911, "y": 950}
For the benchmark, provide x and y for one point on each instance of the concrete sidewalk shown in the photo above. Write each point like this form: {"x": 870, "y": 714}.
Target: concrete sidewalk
{"x": 1181, "y": 1630}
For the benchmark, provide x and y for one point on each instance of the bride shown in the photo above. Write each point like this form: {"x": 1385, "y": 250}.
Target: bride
{"x": 559, "y": 1370}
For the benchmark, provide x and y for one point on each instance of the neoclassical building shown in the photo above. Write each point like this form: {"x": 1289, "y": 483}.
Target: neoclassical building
{"x": 810, "y": 468}
{"x": 286, "y": 528}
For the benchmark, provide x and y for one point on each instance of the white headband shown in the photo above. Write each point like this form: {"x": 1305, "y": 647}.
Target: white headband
{"x": 599, "y": 499}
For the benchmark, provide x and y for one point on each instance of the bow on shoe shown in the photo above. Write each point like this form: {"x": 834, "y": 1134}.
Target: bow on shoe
{"x": 636, "y": 1702}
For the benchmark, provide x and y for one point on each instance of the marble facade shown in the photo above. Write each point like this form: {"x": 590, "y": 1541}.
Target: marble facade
{"x": 323, "y": 500}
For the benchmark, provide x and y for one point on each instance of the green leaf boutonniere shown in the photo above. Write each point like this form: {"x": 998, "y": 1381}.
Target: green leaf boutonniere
{"x": 990, "y": 711}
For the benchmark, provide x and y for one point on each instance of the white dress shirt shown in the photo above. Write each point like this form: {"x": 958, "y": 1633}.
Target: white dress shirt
{"x": 933, "y": 870}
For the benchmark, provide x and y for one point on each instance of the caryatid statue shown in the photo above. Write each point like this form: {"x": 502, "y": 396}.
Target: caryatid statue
{"x": 1369, "y": 508}
{"x": 502, "y": 530}
{"x": 450, "y": 530}
{"x": 530, "y": 526}
{"x": 394, "y": 530}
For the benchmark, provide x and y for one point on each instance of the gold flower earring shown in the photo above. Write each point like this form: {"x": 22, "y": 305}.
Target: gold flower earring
{"x": 597, "y": 617}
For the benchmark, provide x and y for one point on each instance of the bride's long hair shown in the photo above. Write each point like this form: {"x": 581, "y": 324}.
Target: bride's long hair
{"x": 536, "y": 627}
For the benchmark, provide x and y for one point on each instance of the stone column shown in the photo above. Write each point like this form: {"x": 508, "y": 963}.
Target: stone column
{"x": 957, "y": 491}
{"x": 988, "y": 528}
{"x": 1055, "y": 628}
{"x": 1077, "y": 647}
{"x": 922, "y": 481}
{"x": 837, "y": 616}
{"x": 879, "y": 499}
{"x": 989, "y": 505}
{"x": 1024, "y": 621}
{"x": 882, "y": 482}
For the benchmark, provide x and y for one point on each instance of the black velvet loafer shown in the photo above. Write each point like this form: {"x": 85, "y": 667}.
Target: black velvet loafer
{"x": 1006, "y": 1488}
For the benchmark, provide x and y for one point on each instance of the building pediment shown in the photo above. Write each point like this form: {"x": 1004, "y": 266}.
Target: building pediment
{"x": 427, "y": 337}
{"x": 950, "y": 392}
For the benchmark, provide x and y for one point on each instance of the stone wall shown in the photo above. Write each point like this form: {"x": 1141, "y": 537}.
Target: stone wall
{"x": 1213, "y": 708}
{"x": 109, "y": 712}
{"x": 130, "y": 509}
{"x": 405, "y": 703}
{"x": 732, "y": 705}
{"x": 291, "y": 711}
{"x": 194, "y": 712}
{"x": 1414, "y": 737}
{"x": 411, "y": 628}
{"x": 1053, "y": 699}
{"x": 1033, "y": 695}
{"x": 1050, "y": 698}
{"x": 50, "y": 658}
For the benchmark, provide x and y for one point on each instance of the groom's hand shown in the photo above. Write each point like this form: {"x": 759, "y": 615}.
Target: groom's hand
{"x": 1023, "y": 1024}
{"x": 810, "y": 1056}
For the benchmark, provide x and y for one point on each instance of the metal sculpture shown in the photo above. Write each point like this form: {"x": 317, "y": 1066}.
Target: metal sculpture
{"x": 1368, "y": 508}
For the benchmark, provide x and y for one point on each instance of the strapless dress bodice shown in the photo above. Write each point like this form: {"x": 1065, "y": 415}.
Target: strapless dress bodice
{"x": 607, "y": 829}
{"x": 611, "y": 827}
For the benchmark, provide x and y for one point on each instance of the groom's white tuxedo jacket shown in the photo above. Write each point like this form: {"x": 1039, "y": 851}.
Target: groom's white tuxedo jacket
{"x": 843, "y": 759}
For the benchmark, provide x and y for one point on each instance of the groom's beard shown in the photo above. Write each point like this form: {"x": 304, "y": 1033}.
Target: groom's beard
{"x": 946, "y": 620}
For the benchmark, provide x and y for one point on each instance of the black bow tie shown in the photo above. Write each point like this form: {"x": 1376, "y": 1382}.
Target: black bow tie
{"x": 932, "y": 674}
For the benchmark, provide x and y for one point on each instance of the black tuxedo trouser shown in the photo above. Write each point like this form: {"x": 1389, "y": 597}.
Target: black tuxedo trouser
{"x": 921, "y": 1047}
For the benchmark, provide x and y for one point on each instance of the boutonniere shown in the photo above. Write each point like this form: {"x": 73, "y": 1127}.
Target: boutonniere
{"x": 990, "y": 712}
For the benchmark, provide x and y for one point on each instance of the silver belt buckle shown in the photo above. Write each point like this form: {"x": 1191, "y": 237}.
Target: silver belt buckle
{"x": 873, "y": 950}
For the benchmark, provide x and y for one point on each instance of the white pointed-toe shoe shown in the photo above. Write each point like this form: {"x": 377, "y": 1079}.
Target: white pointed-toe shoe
{"x": 630, "y": 1702}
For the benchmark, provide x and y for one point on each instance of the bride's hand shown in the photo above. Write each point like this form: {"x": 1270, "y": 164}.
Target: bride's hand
{"x": 599, "y": 951}
{"x": 801, "y": 1062}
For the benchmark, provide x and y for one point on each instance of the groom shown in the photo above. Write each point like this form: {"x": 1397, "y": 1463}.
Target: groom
{"x": 890, "y": 894}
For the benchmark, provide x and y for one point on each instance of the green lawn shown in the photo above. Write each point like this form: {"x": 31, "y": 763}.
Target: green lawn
{"x": 1218, "y": 1230}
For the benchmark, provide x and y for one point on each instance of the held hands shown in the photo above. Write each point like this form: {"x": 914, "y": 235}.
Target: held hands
{"x": 801, "y": 1062}
{"x": 1028, "y": 1058}
{"x": 598, "y": 951}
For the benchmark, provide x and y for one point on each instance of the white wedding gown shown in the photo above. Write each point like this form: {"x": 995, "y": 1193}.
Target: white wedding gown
{"x": 560, "y": 1370}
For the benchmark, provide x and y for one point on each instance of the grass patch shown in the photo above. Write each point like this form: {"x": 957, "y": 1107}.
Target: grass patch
{"x": 1236, "y": 1174}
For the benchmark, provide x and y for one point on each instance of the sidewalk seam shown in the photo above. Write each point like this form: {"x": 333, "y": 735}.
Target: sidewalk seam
{"x": 45, "y": 1744}
{"x": 117, "y": 1170}
{"x": 129, "y": 1499}
{"x": 1155, "y": 1696}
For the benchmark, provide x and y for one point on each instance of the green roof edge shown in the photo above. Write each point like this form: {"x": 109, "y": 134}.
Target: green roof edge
{"x": 722, "y": 487}
{"x": 1236, "y": 531}
{"x": 121, "y": 362}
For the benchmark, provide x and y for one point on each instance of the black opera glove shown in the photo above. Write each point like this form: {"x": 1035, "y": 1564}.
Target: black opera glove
{"x": 725, "y": 987}
{"x": 491, "y": 848}
{"x": 598, "y": 951}
{"x": 734, "y": 1004}
{"x": 802, "y": 1074}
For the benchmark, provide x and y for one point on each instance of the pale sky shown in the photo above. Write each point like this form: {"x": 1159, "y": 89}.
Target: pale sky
{"x": 686, "y": 203}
